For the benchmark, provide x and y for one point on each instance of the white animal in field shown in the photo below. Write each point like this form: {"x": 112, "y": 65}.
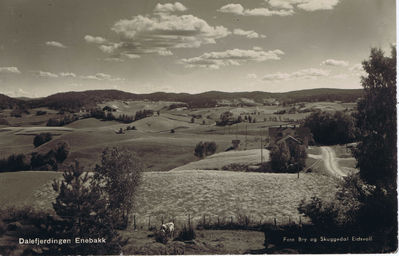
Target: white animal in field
{"x": 168, "y": 228}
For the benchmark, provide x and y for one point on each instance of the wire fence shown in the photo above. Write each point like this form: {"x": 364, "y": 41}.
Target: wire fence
{"x": 150, "y": 222}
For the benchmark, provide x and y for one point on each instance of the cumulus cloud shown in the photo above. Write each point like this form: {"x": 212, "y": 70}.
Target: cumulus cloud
{"x": 102, "y": 77}
{"x": 67, "y": 74}
{"x": 252, "y": 76}
{"x": 168, "y": 7}
{"x": 9, "y": 70}
{"x": 95, "y": 39}
{"x": 215, "y": 60}
{"x": 131, "y": 56}
{"x": 47, "y": 74}
{"x": 247, "y": 33}
{"x": 357, "y": 70}
{"x": 114, "y": 59}
{"x": 310, "y": 73}
{"x": 161, "y": 33}
{"x": 335, "y": 63}
{"x": 55, "y": 44}
{"x": 238, "y": 9}
{"x": 307, "y": 5}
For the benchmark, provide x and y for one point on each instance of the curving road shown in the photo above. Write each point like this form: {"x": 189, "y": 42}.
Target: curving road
{"x": 330, "y": 162}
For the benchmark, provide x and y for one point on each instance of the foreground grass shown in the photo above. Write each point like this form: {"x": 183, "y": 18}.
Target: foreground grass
{"x": 21, "y": 188}
{"x": 263, "y": 196}
{"x": 175, "y": 195}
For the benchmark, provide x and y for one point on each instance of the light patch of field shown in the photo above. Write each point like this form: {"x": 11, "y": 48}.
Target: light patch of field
{"x": 217, "y": 161}
{"x": 90, "y": 123}
{"x": 160, "y": 123}
{"x": 330, "y": 106}
{"x": 19, "y": 188}
{"x": 33, "y": 130}
{"x": 263, "y": 196}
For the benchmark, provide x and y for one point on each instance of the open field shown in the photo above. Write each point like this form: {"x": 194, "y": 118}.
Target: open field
{"x": 19, "y": 188}
{"x": 217, "y": 161}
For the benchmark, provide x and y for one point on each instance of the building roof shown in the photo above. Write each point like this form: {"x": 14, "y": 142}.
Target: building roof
{"x": 288, "y": 137}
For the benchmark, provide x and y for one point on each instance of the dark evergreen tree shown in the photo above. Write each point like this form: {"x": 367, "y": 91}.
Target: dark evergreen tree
{"x": 83, "y": 213}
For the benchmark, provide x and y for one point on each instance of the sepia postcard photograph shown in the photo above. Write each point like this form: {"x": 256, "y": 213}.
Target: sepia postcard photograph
{"x": 212, "y": 127}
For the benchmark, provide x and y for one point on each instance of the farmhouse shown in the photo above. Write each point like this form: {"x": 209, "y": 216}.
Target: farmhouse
{"x": 299, "y": 135}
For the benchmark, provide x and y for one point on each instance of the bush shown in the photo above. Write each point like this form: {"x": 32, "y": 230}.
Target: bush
{"x": 203, "y": 149}
{"x": 62, "y": 152}
{"x": 161, "y": 237}
{"x": 44, "y": 161}
{"x": 321, "y": 214}
{"x": 187, "y": 233}
{"x": 42, "y": 138}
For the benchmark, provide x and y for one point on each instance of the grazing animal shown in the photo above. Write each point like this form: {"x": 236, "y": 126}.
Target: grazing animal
{"x": 168, "y": 228}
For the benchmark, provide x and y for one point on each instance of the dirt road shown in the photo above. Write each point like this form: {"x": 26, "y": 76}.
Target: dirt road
{"x": 330, "y": 162}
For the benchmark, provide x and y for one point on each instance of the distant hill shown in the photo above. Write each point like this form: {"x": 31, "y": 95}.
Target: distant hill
{"x": 8, "y": 102}
{"x": 76, "y": 100}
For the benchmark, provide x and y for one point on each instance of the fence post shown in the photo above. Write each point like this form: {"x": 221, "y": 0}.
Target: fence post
{"x": 203, "y": 219}
{"x": 289, "y": 220}
{"x": 162, "y": 219}
{"x": 231, "y": 220}
{"x": 134, "y": 222}
{"x": 189, "y": 220}
{"x": 275, "y": 223}
{"x": 218, "y": 221}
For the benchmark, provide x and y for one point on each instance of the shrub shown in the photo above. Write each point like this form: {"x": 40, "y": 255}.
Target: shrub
{"x": 203, "y": 149}
{"x": 321, "y": 214}
{"x": 161, "y": 237}
{"x": 42, "y": 138}
{"x": 187, "y": 233}
{"x": 62, "y": 152}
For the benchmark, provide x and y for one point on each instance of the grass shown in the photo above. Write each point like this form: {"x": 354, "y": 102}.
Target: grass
{"x": 23, "y": 188}
{"x": 174, "y": 195}
{"x": 218, "y": 161}
{"x": 206, "y": 242}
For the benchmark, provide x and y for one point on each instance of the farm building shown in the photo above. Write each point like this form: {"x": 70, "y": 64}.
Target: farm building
{"x": 300, "y": 135}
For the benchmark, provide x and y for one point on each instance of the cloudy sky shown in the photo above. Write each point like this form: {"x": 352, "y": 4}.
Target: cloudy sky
{"x": 141, "y": 46}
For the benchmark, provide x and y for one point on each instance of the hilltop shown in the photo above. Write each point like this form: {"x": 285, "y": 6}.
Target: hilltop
{"x": 76, "y": 100}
